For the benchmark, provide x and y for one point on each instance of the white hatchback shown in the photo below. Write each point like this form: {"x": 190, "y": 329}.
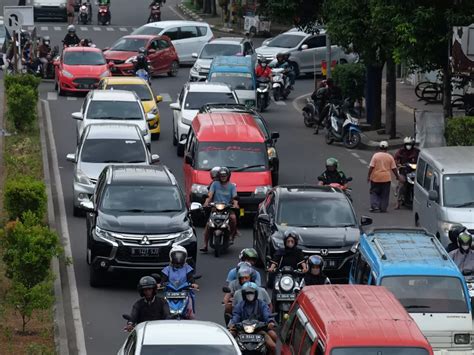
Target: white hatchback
{"x": 113, "y": 106}
{"x": 180, "y": 338}
{"x": 188, "y": 37}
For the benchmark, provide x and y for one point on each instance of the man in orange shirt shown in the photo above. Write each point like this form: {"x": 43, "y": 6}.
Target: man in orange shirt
{"x": 382, "y": 165}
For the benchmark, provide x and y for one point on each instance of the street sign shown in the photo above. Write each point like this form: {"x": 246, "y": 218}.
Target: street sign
{"x": 17, "y": 16}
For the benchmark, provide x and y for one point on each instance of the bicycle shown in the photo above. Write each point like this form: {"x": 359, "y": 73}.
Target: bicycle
{"x": 429, "y": 91}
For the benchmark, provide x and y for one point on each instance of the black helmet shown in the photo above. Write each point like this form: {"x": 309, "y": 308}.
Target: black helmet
{"x": 71, "y": 29}
{"x": 464, "y": 241}
{"x": 454, "y": 232}
{"x": 286, "y": 55}
{"x": 224, "y": 171}
{"x": 248, "y": 253}
{"x": 146, "y": 282}
{"x": 315, "y": 260}
{"x": 249, "y": 293}
{"x": 291, "y": 234}
{"x": 280, "y": 55}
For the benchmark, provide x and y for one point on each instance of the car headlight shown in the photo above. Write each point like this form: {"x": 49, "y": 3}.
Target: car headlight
{"x": 105, "y": 74}
{"x": 196, "y": 68}
{"x": 262, "y": 190}
{"x": 199, "y": 189}
{"x": 446, "y": 226}
{"x": 272, "y": 154}
{"x": 462, "y": 338}
{"x": 184, "y": 236}
{"x": 287, "y": 283}
{"x": 82, "y": 178}
{"x": 131, "y": 59}
{"x": 67, "y": 74}
{"x": 155, "y": 110}
{"x": 105, "y": 234}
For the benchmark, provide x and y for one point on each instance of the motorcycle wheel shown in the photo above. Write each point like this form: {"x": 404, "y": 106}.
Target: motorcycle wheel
{"x": 351, "y": 140}
{"x": 329, "y": 138}
{"x": 260, "y": 106}
{"x": 308, "y": 121}
{"x": 217, "y": 251}
{"x": 276, "y": 95}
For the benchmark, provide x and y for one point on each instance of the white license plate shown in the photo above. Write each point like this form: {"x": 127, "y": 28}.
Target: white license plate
{"x": 285, "y": 297}
{"x": 151, "y": 252}
{"x": 251, "y": 338}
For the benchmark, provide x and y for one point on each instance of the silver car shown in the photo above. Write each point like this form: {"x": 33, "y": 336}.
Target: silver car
{"x": 102, "y": 144}
{"x": 306, "y": 50}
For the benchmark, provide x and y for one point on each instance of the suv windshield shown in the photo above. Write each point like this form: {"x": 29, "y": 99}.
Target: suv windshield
{"x": 195, "y": 100}
{"x": 311, "y": 211}
{"x": 117, "y": 110}
{"x": 212, "y": 50}
{"x": 113, "y": 151}
{"x": 83, "y": 58}
{"x": 142, "y": 91}
{"x": 147, "y": 30}
{"x": 236, "y": 156}
{"x": 285, "y": 41}
{"x": 458, "y": 190}
{"x": 237, "y": 81}
{"x": 377, "y": 350}
{"x": 142, "y": 199}
{"x": 129, "y": 44}
{"x": 432, "y": 294}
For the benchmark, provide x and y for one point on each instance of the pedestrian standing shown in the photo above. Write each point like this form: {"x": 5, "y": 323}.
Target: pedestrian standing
{"x": 70, "y": 11}
{"x": 382, "y": 165}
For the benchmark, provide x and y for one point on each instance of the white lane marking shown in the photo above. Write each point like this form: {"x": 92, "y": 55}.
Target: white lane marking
{"x": 166, "y": 97}
{"x": 363, "y": 161}
{"x": 66, "y": 240}
{"x": 294, "y": 102}
{"x": 355, "y": 154}
{"x": 123, "y": 29}
{"x": 97, "y": 28}
{"x": 52, "y": 95}
{"x": 177, "y": 13}
{"x": 71, "y": 98}
{"x": 44, "y": 28}
{"x": 110, "y": 29}
{"x": 56, "y": 28}
{"x": 84, "y": 28}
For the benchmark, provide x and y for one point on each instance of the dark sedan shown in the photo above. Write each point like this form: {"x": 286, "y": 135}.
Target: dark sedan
{"x": 324, "y": 218}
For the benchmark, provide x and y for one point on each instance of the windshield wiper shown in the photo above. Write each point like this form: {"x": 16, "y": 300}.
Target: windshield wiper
{"x": 134, "y": 210}
{"x": 416, "y": 306}
{"x": 135, "y": 161}
{"x": 112, "y": 161}
{"x": 105, "y": 118}
{"x": 170, "y": 210}
{"x": 465, "y": 204}
{"x": 250, "y": 167}
{"x": 342, "y": 226}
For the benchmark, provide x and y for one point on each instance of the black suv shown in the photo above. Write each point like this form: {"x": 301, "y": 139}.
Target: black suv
{"x": 270, "y": 137}
{"x": 136, "y": 214}
{"x": 324, "y": 218}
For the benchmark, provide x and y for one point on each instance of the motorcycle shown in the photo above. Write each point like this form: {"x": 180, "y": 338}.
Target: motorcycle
{"x": 51, "y": 57}
{"x": 263, "y": 93}
{"x": 155, "y": 13}
{"x": 219, "y": 227}
{"x": 310, "y": 111}
{"x": 103, "y": 16}
{"x": 143, "y": 74}
{"x": 178, "y": 298}
{"x": 83, "y": 14}
{"x": 248, "y": 339}
{"x": 408, "y": 171}
{"x": 342, "y": 127}
{"x": 280, "y": 84}
{"x": 288, "y": 283}
{"x": 344, "y": 188}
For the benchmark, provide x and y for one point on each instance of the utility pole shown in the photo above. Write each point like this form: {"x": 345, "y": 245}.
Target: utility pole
{"x": 328, "y": 56}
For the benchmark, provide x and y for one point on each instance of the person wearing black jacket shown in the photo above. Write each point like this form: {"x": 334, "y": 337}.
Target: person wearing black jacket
{"x": 315, "y": 274}
{"x": 453, "y": 235}
{"x": 71, "y": 38}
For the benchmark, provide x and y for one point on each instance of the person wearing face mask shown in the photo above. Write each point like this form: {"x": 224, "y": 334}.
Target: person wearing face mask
{"x": 263, "y": 72}
{"x": 463, "y": 257}
{"x": 408, "y": 154}
{"x": 315, "y": 274}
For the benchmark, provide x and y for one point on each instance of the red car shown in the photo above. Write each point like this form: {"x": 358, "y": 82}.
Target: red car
{"x": 159, "y": 50}
{"x": 80, "y": 69}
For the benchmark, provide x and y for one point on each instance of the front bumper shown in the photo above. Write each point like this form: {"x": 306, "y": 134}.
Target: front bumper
{"x": 198, "y": 75}
{"x": 78, "y": 84}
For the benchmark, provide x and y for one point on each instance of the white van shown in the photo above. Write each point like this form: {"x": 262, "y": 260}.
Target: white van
{"x": 188, "y": 37}
{"x": 444, "y": 190}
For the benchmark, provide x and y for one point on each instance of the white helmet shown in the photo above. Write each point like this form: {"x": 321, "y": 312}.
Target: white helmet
{"x": 408, "y": 140}
{"x": 178, "y": 255}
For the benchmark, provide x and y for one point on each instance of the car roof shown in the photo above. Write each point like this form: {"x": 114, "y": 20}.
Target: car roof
{"x": 140, "y": 36}
{"x": 227, "y": 127}
{"x": 406, "y": 251}
{"x": 113, "y": 95}
{"x": 230, "y": 40}
{"x": 123, "y": 80}
{"x": 146, "y": 175}
{"x": 308, "y": 190}
{"x": 451, "y": 160}
{"x": 170, "y": 23}
{"x": 359, "y": 315}
{"x": 81, "y": 49}
{"x": 208, "y": 87}
{"x": 190, "y": 332}
{"x": 112, "y": 131}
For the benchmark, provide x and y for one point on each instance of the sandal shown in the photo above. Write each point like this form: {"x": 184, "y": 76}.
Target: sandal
{"x": 204, "y": 250}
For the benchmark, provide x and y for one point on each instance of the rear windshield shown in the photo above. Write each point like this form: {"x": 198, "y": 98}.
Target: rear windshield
{"x": 195, "y": 100}
{"x": 147, "y": 30}
{"x": 113, "y": 151}
{"x": 285, "y": 41}
{"x": 379, "y": 351}
{"x": 142, "y": 91}
{"x": 114, "y": 110}
{"x": 212, "y": 50}
{"x": 237, "y": 81}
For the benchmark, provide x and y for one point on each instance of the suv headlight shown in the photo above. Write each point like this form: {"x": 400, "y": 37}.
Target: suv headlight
{"x": 104, "y": 234}
{"x": 262, "y": 190}
{"x": 184, "y": 236}
{"x": 199, "y": 189}
{"x": 82, "y": 178}
{"x": 196, "y": 68}
{"x": 131, "y": 59}
{"x": 462, "y": 338}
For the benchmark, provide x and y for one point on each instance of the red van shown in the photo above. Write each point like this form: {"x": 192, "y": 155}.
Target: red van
{"x": 227, "y": 139}
{"x": 350, "y": 320}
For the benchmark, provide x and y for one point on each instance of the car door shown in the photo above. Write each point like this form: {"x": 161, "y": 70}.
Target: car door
{"x": 153, "y": 56}
{"x": 166, "y": 53}
{"x": 188, "y": 167}
{"x": 188, "y": 42}
{"x": 265, "y": 231}
{"x": 426, "y": 205}
{"x": 310, "y": 58}
{"x": 177, "y": 113}
{"x": 173, "y": 34}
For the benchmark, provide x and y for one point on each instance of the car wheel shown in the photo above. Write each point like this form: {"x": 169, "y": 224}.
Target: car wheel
{"x": 96, "y": 277}
{"x": 155, "y": 136}
{"x": 77, "y": 212}
{"x": 174, "y": 69}
{"x": 180, "y": 150}
{"x": 175, "y": 140}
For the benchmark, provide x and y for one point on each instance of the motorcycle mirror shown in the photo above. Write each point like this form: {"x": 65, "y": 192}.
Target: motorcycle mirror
{"x": 226, "y": 289}
{"x": 349, "y": 179}
{"x": 157, "y": 277}
{"x": 197, "y": 277}
{"x": 127, "y": 317}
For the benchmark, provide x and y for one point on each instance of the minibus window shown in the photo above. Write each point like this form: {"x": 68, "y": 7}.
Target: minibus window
{"x": 420, "y": 171}
{"x": 428, "y": 178}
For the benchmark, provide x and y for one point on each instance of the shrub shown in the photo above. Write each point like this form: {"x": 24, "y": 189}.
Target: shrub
{"x": 21, "y": 106}
{"x": 25, "y": 194}
{"x": 351, "y": 79}
{"x": 460, "y": 131}
{"x": 24, "y": 80}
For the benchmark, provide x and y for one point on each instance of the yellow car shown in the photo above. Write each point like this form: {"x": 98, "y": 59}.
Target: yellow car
{"x": 144, "y": 92}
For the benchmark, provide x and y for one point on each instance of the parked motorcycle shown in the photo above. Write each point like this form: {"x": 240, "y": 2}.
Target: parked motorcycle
{"x": 248, "y": 337}
{"x": 288, "y": 283}
{"x": 408, "y": 174}
{"x": 103, "y": 16}
{"x": 310, "y": 113}
{"x": 219, "y": 227}
{"x": 280, "y": 84}
{"x": 155, "y": 13}
{"x": 342, "y": 126}
{"x": 263, "y": 93}
{"x": 83, "y": 16}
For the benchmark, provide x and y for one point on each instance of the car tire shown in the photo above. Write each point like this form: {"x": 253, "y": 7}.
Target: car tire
{"x": 96, "y": 277}
{"x": 174, "y": 68}
{"x": 77, "y": 212}
{"x": 175, "y": 140}
{"x": 155, "y": 136}
{"x": 180, "y": 150}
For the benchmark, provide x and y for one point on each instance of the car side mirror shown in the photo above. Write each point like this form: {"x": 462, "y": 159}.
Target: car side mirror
{"x": 433, "y": 195}
{"x": 87, "y": 205}
{"x": 77, "y": 115}
{"x": 188, "y": 159}
{"x": 175, "y": 106}
{"x": 226, "y": 289}
{"x": 275, "y": 135}
{"x": 155, "y": 158}
{"x": 365, "y": 221}
{"x": 349, "y": 179}
{"x": 71, "y": 158}
{"x": 304, "y": 47}
{"x": 151, "y": 51}
{"x": 159, "y": 98}
{"x": 194, "y": 55}
{"x": 264, "y": 219}
{"x": 150, "y": 116}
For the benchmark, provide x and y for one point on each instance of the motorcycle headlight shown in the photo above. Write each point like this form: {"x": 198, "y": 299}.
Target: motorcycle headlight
{"x": 249, "y": 328}
{"x": 184, "y": 236}
{"x": 67, "y": 74}
{"x": 105, "y": 74}
{"x": 105, "y": 234}
{"x": 287, "y": 283}
{"x": 82, "y": 178}
{"x": 131, "y": 59}
{"x": 412, "y": 166}
{"x": 271, "y": 153}
{"x": 262, "y": 190}
{"x": 220, "y": 206}
{"x": 199, "y": 189}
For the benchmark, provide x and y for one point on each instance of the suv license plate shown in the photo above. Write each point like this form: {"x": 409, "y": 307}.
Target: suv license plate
{"x": 285, "y": 297}
{"x": 175, "y": 295}
{"x": 251, "y": 338}
{"x": 145, "y": 252}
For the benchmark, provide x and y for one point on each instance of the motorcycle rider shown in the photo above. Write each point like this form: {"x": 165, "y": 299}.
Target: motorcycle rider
{"x": 149, "y": 306}
{"x": 263, "y": 71}
{"x": 315, "y": 274}
{"x": 453, "y": 234}
{"x": 253, "y": 308}
{"x": 71, "y": 38}
{"x": 153, "y": 3}
{"x": 85, "y": 42}
{"x": 105, "y": 3}
{"x": 44, "y": 49}
{"x": 283, "y": 64}
{"x": 141, "y": 62}
{"x": 222, "y": 191}
{"x": 250, "y": 257}
{"x": 463, "y": 257}
{"x": 244, "y": 274}
{"x": 408, "y": 154}
{"x": 332, "y": 175}
{"x": 291, "y": 71}
{"x": 327, "y": 92}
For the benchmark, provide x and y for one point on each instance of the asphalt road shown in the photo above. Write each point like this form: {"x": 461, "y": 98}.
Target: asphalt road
{"x": 302, "y": 157}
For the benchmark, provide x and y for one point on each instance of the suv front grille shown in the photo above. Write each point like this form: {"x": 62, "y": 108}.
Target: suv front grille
{"x": 154, "y": 239}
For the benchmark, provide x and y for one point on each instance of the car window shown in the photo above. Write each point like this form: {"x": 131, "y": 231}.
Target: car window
{"x": 147, "y": 30}
{"x": 188, "y": 32}
{"x": 298, "y": 334}
{"x": 163, "y": 44}
{"x": 154, "y": 45}
{"x": 172, "y": 33}
{"x": 202, "y": 30}
{"x": 362, "y": 271}
{"x": 195, "y": 100}
{"x": 436, "y": 183}
{"x": 306, "y": 346}
{"x": 180, "y": 97}
{"x": 428, "y": 178}
{"x": 420, "y": 171}
{"x": 115, "y": 110}
{"x": 316, "y": 42}
{"x": 113, "y": 151}
{"x": 287, "y": 329}
{"x": 130, "y": 344}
